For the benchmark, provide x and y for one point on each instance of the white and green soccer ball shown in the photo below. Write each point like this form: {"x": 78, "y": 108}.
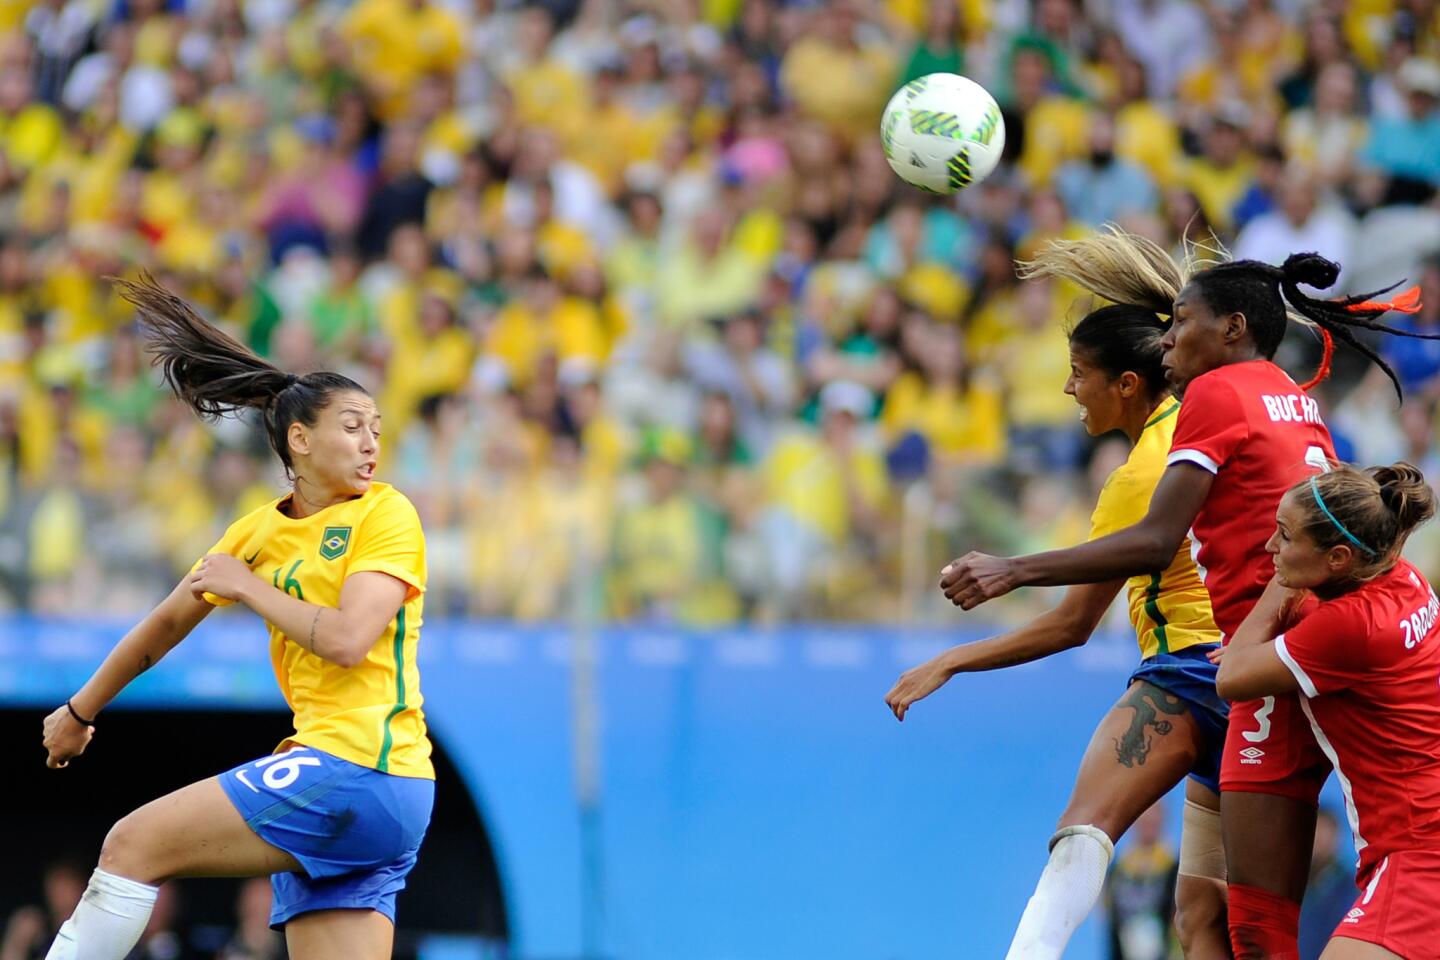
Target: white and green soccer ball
{"x": 942, "y": 133}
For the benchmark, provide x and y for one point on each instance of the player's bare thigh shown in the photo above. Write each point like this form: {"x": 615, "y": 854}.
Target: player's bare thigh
{"x": 340, "y": 935}
{"x": 194, "y": 832}
{"x": 1268, "y": 840}
{"x": 1145, "y": 744}
{"x": 1345, "y": 948}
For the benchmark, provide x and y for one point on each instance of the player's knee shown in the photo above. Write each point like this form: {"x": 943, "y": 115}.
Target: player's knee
{"x": 1200, "y": 919}
{"x": 1105, "y": 820}
{"x": 125, "y": 852}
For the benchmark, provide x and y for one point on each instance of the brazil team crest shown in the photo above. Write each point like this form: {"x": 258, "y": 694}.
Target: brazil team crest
{"x": 334, "y": 542}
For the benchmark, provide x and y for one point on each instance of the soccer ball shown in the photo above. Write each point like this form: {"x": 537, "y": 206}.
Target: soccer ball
{"x": 942, "y": 133}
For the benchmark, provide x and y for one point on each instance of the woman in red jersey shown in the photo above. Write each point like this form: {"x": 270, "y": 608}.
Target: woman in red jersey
{"x": 1368, "y": 673}
{"x": 1246, "y": 434}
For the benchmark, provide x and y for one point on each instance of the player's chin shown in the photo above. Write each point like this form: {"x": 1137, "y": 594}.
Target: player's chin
{"x": 1288, "y": 580}
{"x": 1177, "y": 379}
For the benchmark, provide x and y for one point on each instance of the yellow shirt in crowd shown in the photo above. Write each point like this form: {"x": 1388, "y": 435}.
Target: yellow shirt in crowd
{"x": 964, "y": 425}
{"x": 368, "y": 714}
{"x": 397, "y": 42}
{"x": 845, "y": 89}
{"x": 806, "y": 478}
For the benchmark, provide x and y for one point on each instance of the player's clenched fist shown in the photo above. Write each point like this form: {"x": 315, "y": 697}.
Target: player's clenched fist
{"x": 221, "y": 575}
{"x": 975, "y": 578}
{"x": 65, "y": 738}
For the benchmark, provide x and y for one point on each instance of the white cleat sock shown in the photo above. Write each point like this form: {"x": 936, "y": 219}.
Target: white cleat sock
{"x": 1068, "y": 890}
{"x": 108, "y": 922}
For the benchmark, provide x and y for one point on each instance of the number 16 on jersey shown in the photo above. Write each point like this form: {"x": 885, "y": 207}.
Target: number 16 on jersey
{"x": 279, "y": 770}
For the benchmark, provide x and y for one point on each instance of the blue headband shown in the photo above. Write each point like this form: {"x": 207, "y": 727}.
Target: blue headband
{"x": 1320, "y": 502}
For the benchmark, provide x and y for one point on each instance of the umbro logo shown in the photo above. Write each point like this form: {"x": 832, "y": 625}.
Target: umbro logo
{"x": 1354, "y": 915}
{"x": 1251, "y": 755}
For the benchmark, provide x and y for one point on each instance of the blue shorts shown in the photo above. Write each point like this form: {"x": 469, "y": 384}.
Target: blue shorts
{"x": 355, "y": 831}
{"x": 1189, "y": 675}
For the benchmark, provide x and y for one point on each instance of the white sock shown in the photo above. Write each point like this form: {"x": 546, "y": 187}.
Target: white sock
{"x": 108, "y": 922}
{"x": 1068, "y": 889}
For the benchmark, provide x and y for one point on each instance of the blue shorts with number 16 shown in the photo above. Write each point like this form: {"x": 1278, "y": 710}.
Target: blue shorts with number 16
{"x": 355, "y": 831}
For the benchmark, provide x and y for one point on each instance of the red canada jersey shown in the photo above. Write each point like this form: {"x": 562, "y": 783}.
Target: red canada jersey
{"x": 1369, "y": 668}
{"x": 1259, "y": 434}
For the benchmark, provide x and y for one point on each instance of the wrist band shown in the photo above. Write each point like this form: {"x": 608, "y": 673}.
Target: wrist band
{"x": 78, "y": 719}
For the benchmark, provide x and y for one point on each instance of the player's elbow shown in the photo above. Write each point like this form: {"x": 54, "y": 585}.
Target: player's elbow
{"x": 346, "y": 652}
{"x": 1073, "y": 632}
{"x": 347, "y": 658}
{"x": 1225, "y": 685}
{"x": 1155, "y": 551}
{"x": 1232, "y": 684}
{"x": 349, "y": 638}
{"x": 350, "y": 653}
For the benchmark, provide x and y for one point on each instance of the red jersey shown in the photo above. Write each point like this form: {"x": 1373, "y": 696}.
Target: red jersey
{"x": 1369, "y": 668}
{"x": 1259, "y": 434}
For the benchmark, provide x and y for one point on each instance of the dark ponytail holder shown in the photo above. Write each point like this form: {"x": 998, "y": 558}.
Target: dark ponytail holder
{"x": 273, "y": 401}
{"x": 1310, "y": 269}
{"x": 1390, "y": 495}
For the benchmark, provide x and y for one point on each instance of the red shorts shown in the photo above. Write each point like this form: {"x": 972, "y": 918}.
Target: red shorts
{"x": 1399, "y": 906}
{"x": 1270, "y": 748}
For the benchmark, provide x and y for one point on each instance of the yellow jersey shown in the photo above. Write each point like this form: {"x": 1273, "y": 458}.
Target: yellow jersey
{"x": 369, "y": 714}
{"x": 1170, "y": 609}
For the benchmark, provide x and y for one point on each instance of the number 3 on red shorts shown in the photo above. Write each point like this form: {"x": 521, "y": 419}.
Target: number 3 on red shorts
{"x": 1262, "y": 717}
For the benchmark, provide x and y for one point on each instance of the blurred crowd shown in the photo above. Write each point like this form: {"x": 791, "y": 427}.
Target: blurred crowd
{"x": 657, "y": 333}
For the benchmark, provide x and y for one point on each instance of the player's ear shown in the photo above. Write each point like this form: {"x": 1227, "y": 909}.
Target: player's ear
{"x": 1234, "y": 327}
{"x": 1339, "y": 558}
{"x": 298, "y": 438}
{"x": 1129, "y": 384}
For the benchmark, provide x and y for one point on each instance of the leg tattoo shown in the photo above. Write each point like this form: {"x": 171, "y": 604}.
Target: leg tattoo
{"x": 1148, "y": 701}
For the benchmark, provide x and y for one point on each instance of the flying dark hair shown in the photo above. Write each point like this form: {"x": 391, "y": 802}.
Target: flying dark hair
{"x": 217, "y": 376}
{"x": 1261, "y": 292}
{"x": 1121, "y": 337}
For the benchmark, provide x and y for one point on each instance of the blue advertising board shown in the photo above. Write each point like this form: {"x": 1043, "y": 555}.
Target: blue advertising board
{"x": 750, "y": 795}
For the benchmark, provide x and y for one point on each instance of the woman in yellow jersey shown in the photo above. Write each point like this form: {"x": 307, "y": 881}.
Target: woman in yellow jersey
{"x": 337, "y": 570}
{"x": 1170, "y": 723}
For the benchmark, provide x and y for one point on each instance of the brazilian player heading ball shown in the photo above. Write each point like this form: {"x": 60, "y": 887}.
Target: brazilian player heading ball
{"x": 336, "y": 568}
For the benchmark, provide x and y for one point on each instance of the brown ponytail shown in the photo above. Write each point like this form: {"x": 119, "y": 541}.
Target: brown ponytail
{"x": 207, "y": 368}
{"x": 217, "y": 376}
{"x": 1406, "y": 494}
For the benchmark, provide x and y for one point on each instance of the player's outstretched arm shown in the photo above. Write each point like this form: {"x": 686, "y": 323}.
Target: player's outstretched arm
{"x": 140, "y": 649}
{"x": 343, "y": 635}
{"x": 1147, "y": 546}
{"x": 1068, "y": 625}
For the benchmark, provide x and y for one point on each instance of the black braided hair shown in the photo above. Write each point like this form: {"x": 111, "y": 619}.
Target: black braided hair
{"x": 1261, "y": 292}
